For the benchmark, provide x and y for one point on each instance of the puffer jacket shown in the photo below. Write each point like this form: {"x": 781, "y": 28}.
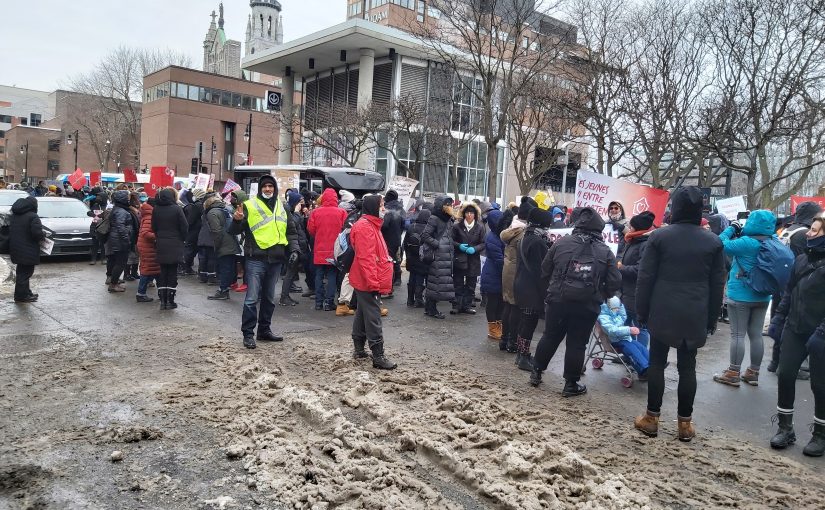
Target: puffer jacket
{"x": 529, "y": 286}
{"x": 745, "y": 250}
{"x": 217, "y": 219}
{"x": 325, "y": 223}
{"x": 205, "y": 234}
{"x": 803, "y": 303}
{"x": 438, "y": 240}
{"x": 149, "y": 265}
{"x": 194, "y": 219}
{"x": 631, "y": 258}
{"x": 25, "y": 232}
{"x": 393, "y": 226}
{"x": 511, "y": 238}
{"x": 494, "y": 250}
{"x": 473, "y": 237}
{"x": 614, "y": 324}
{"x": 122, "y": 225}
{"x": 372, "y": 267}
{"x": 413, "y": 254}
{"x": 170, "y": 227}
{"x": 588, "y": 229}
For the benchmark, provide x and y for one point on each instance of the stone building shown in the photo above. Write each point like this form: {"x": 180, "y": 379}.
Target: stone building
{"x": 221, "y": 55}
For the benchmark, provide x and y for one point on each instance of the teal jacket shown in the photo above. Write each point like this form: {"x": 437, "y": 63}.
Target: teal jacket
{"x": 744, "y": 250}
{"x": 614, "y": 324}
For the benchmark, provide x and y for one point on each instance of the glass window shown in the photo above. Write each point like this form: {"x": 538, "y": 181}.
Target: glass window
{"x": 236, "y": 100}
{"x": 229, "y": 132}
{"x": 194, "y": 92}
{"x": 35, "y": 119}
{"x": 216, "y": 96}
{"x": 226, "y": 98}
{"x": 246, "y": 102}
{"x": 183, "y": 91}
{"x": 204, "y": 95}
{"x": 2, "y": 133}
{"x": 174, "y": 89}
{"x": 24, "y": 121}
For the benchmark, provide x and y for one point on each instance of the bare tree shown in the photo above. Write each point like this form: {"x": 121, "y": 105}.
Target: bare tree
{"x": 337, "y": 134}
{"x": 494, "y": 42}
{"x": 764, "y": 116}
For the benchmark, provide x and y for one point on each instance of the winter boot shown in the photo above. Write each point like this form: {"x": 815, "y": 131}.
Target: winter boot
{"x": 502, "y": 344}
{"x": 573, "y": 389}
{"x": 359, "y": 352}
{"x": 143, "y": 298}
{"x": 170, "y": 299}
{"x": 343, "y": 310}
{"x": 729, "y": 377}
{"x": 454, "y": 306}
{"x": 249, "y": 342}
{"x": 523, "y": 359}
{"x": 648, "y": 423}
{"x": 493, "y": 331}
{"x": 162, "y": 297}
{"x": 686, "y": 431}
{"x": 378, "y": 359}
{"x": 751, "y": 377}
{"x": 512, "y": 346}
{"x": 410, "y": 295}
{"x": 219, "y": 295}
{"x": 431, "y": 310}
{"x": 816, "y": 447}
{"x": 535, "y": 376}
{"x": 419, "y": 296}
{"x": 785, "y": 436}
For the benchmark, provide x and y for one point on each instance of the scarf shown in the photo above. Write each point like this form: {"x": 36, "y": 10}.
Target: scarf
{"x": 630, "y": 236}
{"x": 469, "y": 225}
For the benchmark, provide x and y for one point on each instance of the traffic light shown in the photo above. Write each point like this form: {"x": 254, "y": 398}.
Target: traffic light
{"x": 194, "y": 168}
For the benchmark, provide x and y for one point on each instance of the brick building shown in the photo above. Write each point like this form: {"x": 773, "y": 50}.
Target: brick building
{"x": 19, "y": 107}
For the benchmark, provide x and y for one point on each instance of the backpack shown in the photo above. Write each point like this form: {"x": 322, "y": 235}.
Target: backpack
{"x": 343, "y": 252}
{"x": 785, "y": 238}
{"x": 580, "y": 282}
{"x": 774, "y": 264}
{"x": 103, "y": 227}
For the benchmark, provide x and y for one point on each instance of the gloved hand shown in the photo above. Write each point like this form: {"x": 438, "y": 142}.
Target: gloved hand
{"x": 776, "y": 327}
{"x": 737, "y": 228}
{"x": 471, "y": 250}
{"x": 816, "y": 343}
{"x": 293, "y": 257}
{"x": 463, "y": 247}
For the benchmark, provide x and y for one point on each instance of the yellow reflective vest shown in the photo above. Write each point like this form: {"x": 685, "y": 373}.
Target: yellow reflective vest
{"x": 267, "y": 227}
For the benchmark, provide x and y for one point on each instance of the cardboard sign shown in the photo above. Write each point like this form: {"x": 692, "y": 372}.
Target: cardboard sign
{"x": 610, "y": 236}
{"x": 731, "y": 207}
{"x": 46, "y": 246}
{"x": 404, "y": 186}
{"x": 202, "y": 181}
{"x": 597, "y": 191}
{"x": 796, "y": 200}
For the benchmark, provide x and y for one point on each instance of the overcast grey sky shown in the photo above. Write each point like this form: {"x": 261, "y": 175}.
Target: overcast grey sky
{"x": 42, "y": 42}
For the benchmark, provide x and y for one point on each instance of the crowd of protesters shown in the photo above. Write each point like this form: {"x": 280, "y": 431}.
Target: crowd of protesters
{"x": 666, "y": 286}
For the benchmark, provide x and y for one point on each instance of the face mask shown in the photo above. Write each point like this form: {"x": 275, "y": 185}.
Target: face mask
{"x": 817, "y": 242}
{"x": 267, "y": 195}
{"x": 381, "y": 213}
{"x": 616, "y": 216}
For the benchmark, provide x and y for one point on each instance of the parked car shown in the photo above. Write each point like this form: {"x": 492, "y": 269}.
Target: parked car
{"x": 67, "y": 223}
{"x": 8, "y": 197}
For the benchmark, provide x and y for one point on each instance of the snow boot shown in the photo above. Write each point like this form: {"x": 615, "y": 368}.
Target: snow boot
{"x": 170, "y": 299}
{"x": 729, "y": 377}
{"x": 378, "y": 359}
{"x": 785, "y": 436}
{"x": 535, "y": 376}
{"x": 512, "y": 346}
{"x": 648, "y": 423}
{"x": 419, "y": 296}
{"x": 573, "y": 389}
{"x": 686, "y": 431}
{"x": 359, "y": 351}
{"x": 410, "y": 295}
{"x": 343, "y": 310}
{"x": 431, "y": 310}
{"x": 816, "y": 447}
{"x": 162, "y": 297}
{"x": 751, "y": 377}
{"x": 494, "y": 331}
{"x": 523, "y": 359}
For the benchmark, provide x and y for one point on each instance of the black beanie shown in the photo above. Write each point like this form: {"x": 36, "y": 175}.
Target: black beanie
{"x": 540, "y": 217}
{"x": 643, "y": 221}
{"x": 391, "y": 196}
{"x": 527, "y": 203}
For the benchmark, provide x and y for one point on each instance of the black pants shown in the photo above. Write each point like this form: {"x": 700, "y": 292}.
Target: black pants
{"x": 495, "y": 307}
{"x": 529, "y": 321}
{"x": 793, "y": 354}
{"x": 396, "y": 263}
{"x": 207, "y": 263}
{"x": 118, "y": 262}
{"x": 21, "y": 282}
{"x": 570, "y": 320}
{"x": 97, "y": 247}
{"x": 465, "y": 288}
{"x": 168, "y": 278}
{"x": 511, "y": 317}
{"x": 367, "y": 324}
{"x": 291, "y": 276}
{"x": 189, "y": 252}
{"x": 685, "y": 363}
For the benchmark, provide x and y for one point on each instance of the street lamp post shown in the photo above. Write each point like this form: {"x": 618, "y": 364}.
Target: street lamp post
{"x": 24, "y": 149}
{"x": 76, "y": 142}
{"x": 247, "y": 137}
{"x": 212, "y": 155}
{"x": 108, "y": 154}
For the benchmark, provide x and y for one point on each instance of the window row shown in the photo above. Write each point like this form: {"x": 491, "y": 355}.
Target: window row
{"x": 205, "y": 95}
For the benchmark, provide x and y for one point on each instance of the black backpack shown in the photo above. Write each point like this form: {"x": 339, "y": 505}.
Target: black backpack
{"x": 581, "y": 279}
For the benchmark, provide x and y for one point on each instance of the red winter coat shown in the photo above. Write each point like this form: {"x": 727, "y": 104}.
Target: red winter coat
{"x": 325, "y": 223}
{"x": 146, "y": 243}
{"x": 372, "y": 268}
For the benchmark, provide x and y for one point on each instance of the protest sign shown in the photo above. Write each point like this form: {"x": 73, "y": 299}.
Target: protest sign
{"x": 202, "y": 181}
{"x": 796, "y": 200}
{"x": 731, "y": 207}
{"x": 404, "y": 186}
{"x": 77, "y": 179}
{"x": 597, "y": 191}
{"x": 611, "y": 237}
{"x": 129, "y": 175}
{"x": 95, "y": 178}
{"x": 159, "y": 177}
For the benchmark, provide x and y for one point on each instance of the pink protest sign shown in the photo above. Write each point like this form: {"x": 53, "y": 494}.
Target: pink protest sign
{"x": 597, "y": 191}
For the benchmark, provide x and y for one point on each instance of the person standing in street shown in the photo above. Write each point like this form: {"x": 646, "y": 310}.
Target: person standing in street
{"x": 146, "y": 249}
{"x": 325, "y": 223}
{"x": 468, "y": 235}
{"x": 170, "y": 227}
{"x": 25, "y": 235}
{"x": 800, "y": 322}
{"x": 270, "y": 241}
{"x": 491, "y": 274}
{"x": 371, "y": 276}
{"x": 194, "y": 218}
{"x": 579, "y": 273}
{"x": 225, "y": 245}
{"x": 97, "y": 205}
{"x": 437, "y": 252}
{"x": 678, "y": 295}
{"x": 123, "y": 230}
{"x": 637, "y": 234}
{"x": 294, "y": 202}
{"x": 392, "y": 228}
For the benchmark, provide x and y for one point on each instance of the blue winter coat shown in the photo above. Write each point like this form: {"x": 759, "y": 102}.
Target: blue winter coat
{"x": 491, "y": 272}
{"x": 744, "y": 251}
{"x": 614, "y": 324}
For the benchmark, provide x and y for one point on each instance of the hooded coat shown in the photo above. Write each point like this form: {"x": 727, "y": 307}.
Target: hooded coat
{"x": 682, "y": 276}
{"x": 25, "y": 232}
{"x": 803, "y": 302}
{"x": 511, "y": 238}
{"x": 805, "y": 214}
{"x": 530, "y": 289}
{"x": 473, "y": 237}
{"x": 123, "y": 226}
{"x": 631, "y": 258}
{"x": 217, "y": 219}
{"x": 170, "y": 227}
{"x": 393, "y": 225}
{"x": 438, "y": 240}
{"x": 588, "y": 229}
{"x": 372, "y": 267}
{"x": 205, "y": 234}
{"x": 745, "y": 250}
{"x": 149, "y": 265}
{"x": 278, "y": 253}
{"x": 325, "y": 223}
{"x": 194, "y": 219}
{"x": 413, "y": 254}
{"x": 494, "y": 250}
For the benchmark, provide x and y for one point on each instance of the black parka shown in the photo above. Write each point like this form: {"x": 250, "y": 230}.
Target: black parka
{"x": 25, "y": 232}
{"x": 170, "y": 227}
{"x": 633, "y": 252}
{"x": 474, "y": 237}
{"x": 123, "y": 225}
{"x": 803, "y": 302}
{"x": 530, "y": 289}
{"x": 413, "y": 253}
{"x": 438, "y": 240}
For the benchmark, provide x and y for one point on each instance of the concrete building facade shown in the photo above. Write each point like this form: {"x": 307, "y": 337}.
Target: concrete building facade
{"x": 20, "y": 107}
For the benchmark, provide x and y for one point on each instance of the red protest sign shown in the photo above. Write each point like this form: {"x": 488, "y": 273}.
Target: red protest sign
{"x": 95, "y": 178}
{"x": 77, "y": 179}
{"x": 796, "y": 200}
{"x": 159, "y": 177}
{"x": 129, "y": 175}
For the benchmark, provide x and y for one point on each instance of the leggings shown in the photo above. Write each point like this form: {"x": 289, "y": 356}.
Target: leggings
{"x": 793, "y": 354}
{"x": 686, "y": 364}
{"x": 746, "y": 318}
{"x": 118, "y": 261}
{"x": 495, "y": 307}
{"x": 510, "y": 321}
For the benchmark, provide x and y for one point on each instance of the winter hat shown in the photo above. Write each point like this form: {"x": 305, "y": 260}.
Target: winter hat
{"x": 541, "y": 217}
{"x": 292, "y": 198}
{"x": 198, "y": 194}
{"x": 267, "y": 179}
{"x": 391, "y": 196}
{"x": 372, "y": 205}
{"x": 346, "y": 196}
{"x": 614, "y": 303}
{"x": 527, "y": 203}
{"x": 643, "y": 221}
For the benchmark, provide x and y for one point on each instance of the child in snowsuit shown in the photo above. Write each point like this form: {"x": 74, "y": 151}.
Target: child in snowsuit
{"x": 612, "y": 319}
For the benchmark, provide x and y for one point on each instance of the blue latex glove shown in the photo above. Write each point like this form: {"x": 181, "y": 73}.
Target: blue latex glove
{"x": 776, "y": 327}
{"x": 471, "y": 250}
{"x": 816, "y": 344}
{"x": 463, "y": 247}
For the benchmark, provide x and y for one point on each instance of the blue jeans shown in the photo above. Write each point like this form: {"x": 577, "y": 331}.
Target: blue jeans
{"x": 636, "y": 352}
{"x": 261, "y": 278}
{"x": 226, "y": 271}
{"x": 143, "y": 284}
{"x": 644, "y": 335}
{"x": 325, "y": 293}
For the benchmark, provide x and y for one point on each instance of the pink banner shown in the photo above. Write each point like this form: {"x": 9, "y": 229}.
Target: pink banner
{"x": 597, "y": 191}
{"x": 796, "y": 200}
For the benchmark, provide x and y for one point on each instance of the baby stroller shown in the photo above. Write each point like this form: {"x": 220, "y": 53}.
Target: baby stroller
{"x": 600, "y": 350}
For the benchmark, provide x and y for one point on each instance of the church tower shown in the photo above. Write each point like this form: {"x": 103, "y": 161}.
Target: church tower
{"x": 264, "y": 28}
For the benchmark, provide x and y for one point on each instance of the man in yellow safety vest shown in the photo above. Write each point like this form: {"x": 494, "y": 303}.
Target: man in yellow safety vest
{"x": 270, "y": 242}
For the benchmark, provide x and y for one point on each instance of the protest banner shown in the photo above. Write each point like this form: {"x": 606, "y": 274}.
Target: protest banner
{"x": 95, "y": 178}
{"x": 129, "y": 175}
{"x": 610, "y": 236}
{"x": 597, "y": 191}
{"x": 202, "y": 182}
{"x": 731, "y": 207}
{"x": 159, "y": 177}
{"x": 228, "y": 188}
{"x": 77, "y": 179}
{"x": 796, "y": 200}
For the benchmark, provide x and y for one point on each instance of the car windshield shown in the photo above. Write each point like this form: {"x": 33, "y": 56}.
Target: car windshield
{"x": 10, "y": 197}
{"x": 61, "y": 209}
